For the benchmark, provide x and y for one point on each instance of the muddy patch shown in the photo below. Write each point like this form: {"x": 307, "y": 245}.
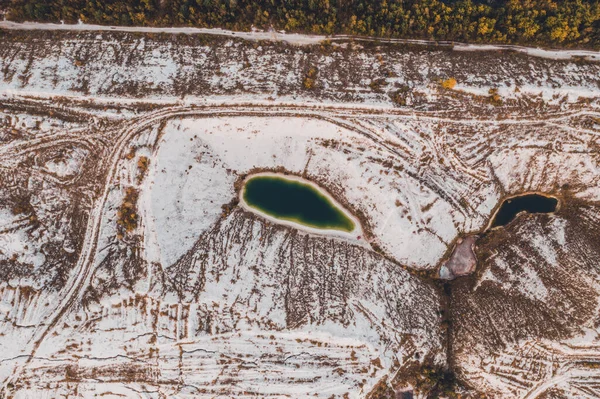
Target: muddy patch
{"x": 463, "y": 261}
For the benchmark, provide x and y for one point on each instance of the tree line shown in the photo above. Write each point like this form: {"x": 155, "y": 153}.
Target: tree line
{"x": 566, "y": 23}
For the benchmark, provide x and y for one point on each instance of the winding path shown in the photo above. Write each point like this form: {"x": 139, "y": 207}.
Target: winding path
{"x": 301, "y": 39}
{"x": 84, "y": 267}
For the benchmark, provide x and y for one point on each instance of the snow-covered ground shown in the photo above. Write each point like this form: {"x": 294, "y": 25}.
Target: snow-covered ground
{"x": 109, "y": 63}
{"x": 202, "y": 298}
{"x": 298, "y": 39}
{"x": 199, "y": 160}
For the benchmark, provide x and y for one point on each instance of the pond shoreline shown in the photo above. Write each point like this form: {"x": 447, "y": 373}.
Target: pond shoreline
{"x": 490, "y": 224}
{"x": 352, "y": 235}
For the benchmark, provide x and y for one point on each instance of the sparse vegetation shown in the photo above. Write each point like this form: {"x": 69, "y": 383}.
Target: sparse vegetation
{"x": 309, "y": 80}
{"x": 382, "y": 390}
{"x": 131, "y": 154}
{"x": 494, "y": 98}
{"x": 448, "y": 84}
{"x": 22, "y": 206}
{"x": 399, "y": 96}
{"x": 437, "y": 381}
{"x": 127, "y": 217}
{"x": 143, "y": 164}
{"x": 377, "y": 84}
{"x": 398, "y": 99}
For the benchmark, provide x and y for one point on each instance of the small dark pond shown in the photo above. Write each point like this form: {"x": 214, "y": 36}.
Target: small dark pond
{"x": 295, "y": 201}
{"x": 532, "y": 203}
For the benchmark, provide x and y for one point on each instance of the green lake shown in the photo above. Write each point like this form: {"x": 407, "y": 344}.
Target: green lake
{"x": 295, "y": 201}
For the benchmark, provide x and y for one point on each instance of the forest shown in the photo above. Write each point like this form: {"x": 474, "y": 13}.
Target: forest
{"x": 568, "y": 23}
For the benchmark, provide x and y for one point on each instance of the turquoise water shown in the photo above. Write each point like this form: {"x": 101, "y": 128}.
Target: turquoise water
{"x": 295, "y": 201}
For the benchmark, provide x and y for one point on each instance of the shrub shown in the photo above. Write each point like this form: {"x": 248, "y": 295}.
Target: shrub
{"x": 448, "y": 83}
{"x": 309, "y": 80}
{"x": 127, "y": 217}
{"x": 494, "y": 98}
{"x": 399, "y": 96}
{"x": 308, "y": 83}
{"x": 377, "y": 84}
{"x": 142, "y": 165}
